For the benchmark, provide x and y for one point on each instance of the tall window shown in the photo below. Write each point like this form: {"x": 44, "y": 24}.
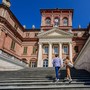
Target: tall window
{"x": 27, "y": 34}
{"x": 34, "y": 50}
{"x": 55, "y": 50}
{"x": 48, "y": 21}
{"x": 45, "y": 63}
{"x": 25, "y": 50}
{"x": 32, "y": 64}
{"x": 46, "y": 50}
{"x": 65, "y": 22}
{"x": 13, "y": 45}
{"x": 56, "y": 21}
{"x": 65, "y": 49}
{"x": 36, "y": 34}
{"x": 76, "y": 49}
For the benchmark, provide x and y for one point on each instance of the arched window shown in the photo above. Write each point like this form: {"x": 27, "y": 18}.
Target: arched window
{"x": 56, "y": 21}
{"x": 48, "y": 21}
{"x": 65, "y": 22}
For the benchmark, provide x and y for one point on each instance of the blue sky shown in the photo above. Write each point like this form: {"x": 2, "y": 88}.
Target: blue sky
{"x": 28, "y": 11}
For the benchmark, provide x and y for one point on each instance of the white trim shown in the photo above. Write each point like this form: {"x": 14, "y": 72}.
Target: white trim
{"x": 55, "y": 29}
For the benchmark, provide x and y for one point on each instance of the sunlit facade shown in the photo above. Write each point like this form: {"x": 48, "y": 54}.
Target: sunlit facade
{"x": 37, "y": 47}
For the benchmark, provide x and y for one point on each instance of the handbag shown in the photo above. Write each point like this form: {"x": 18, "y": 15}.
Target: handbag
{"x": 70, "y": 64}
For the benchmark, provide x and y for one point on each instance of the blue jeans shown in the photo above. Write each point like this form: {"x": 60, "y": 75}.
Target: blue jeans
{"x": 56, "y": 70}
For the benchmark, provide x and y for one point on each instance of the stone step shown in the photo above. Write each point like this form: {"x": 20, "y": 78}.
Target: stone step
{"x": 44, "y": 83}
{"x": 37, "y": 75}
{"x": 41, "y": 80}
{"x": 48, "y": 87}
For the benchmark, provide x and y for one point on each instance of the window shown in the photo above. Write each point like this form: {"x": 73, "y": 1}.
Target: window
{"x": 65, "y": 49}
{"x": 34, "y": 50}
{"x": 76, "y": 49}
{"x": 46, "y": 50}
{"x": 33, "y": 64}
{"x": 65, "y": 22}
{"x": 13, "y": 45}
{"x": 48, "y": 21}
{"x": 25, "y": 50}
{"x": 45, "y": 63}
{"x": 56, "y": 21}
{"x": 27, "y": 34}
{"x": 76, "y": 34}
{"x": 36, "y": 34}
{"x": 55, "y": 50}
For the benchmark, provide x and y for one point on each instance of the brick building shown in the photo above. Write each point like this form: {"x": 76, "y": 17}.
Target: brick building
{"x": 37, "y": 47}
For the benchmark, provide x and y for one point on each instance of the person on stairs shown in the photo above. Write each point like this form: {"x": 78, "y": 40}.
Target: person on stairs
{"x": 68, "y": 73}
{"x": 57, "y": 63}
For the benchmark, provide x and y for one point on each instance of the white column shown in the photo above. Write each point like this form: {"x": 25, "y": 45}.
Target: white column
{"x": 70, "y": 51}
{"x": 50, "y": 55}
{"x": 40, "y": 61}
{"x": 60, "y": 50}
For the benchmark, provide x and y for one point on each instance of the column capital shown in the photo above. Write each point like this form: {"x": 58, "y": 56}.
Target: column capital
{"x": 60, "y": 42}
{"x": 40, "y": 43}
{"x": 70, "y": 42}
{"x": 49, "y": 42}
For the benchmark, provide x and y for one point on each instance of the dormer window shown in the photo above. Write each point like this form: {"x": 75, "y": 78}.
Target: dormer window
{"x": 56, "y": 22}
{"x": 48, "y": 21}
{"x": 65, "y": 22}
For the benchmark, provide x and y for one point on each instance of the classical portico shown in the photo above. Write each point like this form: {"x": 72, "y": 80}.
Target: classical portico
{"x": 56, "y": 41}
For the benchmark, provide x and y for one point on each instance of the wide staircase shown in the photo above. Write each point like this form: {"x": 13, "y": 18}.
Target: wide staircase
{"x": 43, "y": 79}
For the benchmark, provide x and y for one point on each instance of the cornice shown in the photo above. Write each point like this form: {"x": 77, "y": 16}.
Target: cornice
{"x": 30, "y": 39}
{"x": 79, "y": 38}
{"x": 56, "y": 9}
{"x": 12, "y": 16}
{"x": 79, "y": 29}
{"x": 12, "y": 29}
{"x": 55, "y": 29}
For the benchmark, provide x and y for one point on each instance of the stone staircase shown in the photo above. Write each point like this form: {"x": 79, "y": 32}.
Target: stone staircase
{"x": 43, "y": 79}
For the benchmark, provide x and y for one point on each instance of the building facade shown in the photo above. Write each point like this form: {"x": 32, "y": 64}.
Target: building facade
{"x": 37, "y": 47}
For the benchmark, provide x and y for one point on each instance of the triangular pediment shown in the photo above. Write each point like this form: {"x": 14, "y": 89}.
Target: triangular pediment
{"x": 55, "y": 32}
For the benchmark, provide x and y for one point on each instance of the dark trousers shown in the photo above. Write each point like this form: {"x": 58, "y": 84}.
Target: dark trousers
{"x": 56, "y": 71}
